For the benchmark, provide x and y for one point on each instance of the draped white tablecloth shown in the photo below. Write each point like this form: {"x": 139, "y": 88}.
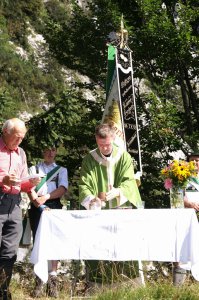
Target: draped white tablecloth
{"x": 122, "y": 234}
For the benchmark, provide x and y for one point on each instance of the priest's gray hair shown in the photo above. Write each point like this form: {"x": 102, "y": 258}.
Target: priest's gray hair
{"x": 10, "y": 124}
{"x": 105, "y": 130}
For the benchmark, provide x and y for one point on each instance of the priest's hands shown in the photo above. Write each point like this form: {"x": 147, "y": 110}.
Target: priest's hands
{"x": 100, "y": 201}
{"x": 113, "y": 193}
{"x": 97, "y": 203}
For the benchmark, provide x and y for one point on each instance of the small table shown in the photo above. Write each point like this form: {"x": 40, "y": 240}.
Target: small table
{"x": 170, "y": 235}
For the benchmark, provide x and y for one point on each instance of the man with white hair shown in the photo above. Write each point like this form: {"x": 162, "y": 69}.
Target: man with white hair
{"x": 13, "y": 167}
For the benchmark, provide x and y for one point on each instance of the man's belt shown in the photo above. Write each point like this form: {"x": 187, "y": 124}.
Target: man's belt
{"x": 8, "y": 202}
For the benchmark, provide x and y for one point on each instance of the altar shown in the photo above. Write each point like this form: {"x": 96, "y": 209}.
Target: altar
{"x": 170, "y": 235}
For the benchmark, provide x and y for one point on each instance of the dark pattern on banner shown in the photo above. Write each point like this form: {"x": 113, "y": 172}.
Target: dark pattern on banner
{"x": 128, "y": 109}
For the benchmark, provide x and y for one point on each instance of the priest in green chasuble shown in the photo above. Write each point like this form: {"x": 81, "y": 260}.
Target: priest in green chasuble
{"x": 107, "y": 174}
{"x": 107, "y": 181}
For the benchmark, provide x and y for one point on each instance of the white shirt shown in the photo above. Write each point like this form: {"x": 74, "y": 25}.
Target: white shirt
{"x": 50, "y": 186}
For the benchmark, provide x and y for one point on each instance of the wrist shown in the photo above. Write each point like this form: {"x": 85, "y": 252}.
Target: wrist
{"x": 34, "y": 200}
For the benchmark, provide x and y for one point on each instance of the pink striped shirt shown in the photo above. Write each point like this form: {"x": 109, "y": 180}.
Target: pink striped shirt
{"x": 13, "y": 162}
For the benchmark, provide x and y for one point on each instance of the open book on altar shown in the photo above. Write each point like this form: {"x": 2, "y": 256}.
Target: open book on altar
{"x": 192, "y": 196}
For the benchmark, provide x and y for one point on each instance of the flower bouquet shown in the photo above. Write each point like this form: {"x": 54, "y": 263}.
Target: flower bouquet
{"x": 176, "y": 176}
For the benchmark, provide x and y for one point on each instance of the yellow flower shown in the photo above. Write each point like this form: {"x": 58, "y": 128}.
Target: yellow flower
{"x": 178, "y": 173}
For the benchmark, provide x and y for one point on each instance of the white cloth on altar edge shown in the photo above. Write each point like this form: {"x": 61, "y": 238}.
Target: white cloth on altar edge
{"x": 151, "y": 235}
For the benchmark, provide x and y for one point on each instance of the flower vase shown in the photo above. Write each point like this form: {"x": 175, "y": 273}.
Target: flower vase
{"x": 176, "y": 198}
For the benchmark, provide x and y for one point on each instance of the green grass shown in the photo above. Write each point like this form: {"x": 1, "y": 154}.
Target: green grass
{"x": 158, "y": 285}
{"x": 160, "y": 291}
{"x": 121, "y": 291}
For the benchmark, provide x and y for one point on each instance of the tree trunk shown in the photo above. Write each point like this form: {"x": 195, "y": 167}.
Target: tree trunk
{"x": 186, "y": 103}
{"x": 192, "y": 97}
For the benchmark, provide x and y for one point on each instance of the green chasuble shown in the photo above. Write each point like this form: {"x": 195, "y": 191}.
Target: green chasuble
{"x": 99, "y": 174}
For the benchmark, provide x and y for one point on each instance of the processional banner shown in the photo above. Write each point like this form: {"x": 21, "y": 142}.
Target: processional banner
{"x": 120, "y": 109}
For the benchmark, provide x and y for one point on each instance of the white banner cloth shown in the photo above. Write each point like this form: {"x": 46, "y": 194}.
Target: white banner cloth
{"x": 169, "y": 235}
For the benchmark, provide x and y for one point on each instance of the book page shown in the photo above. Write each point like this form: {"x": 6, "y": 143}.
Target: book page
{"x": 24, "y": 179}
{"x": 192, "y": 196}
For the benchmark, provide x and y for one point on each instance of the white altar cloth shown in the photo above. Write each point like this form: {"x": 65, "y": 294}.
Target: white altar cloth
{"x": 170, "y": 235}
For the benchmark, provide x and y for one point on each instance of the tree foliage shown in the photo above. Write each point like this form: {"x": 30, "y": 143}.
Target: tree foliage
{"x": 163, "y": 37}
{"x": 69, "y": 125}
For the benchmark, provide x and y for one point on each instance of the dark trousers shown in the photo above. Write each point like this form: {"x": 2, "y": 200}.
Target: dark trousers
{"x": 35, "y": 214}
{"x": 10, "y": 235}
